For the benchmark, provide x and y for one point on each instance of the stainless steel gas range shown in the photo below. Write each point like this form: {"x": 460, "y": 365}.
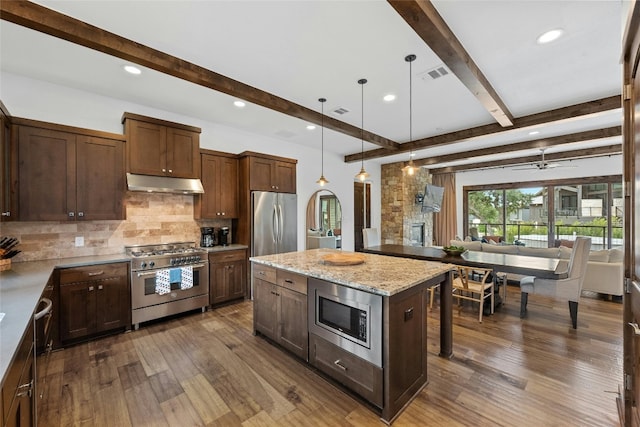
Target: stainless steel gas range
{"x": 167, "y": 279}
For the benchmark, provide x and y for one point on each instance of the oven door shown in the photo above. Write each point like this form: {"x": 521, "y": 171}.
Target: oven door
{"x": 160, "y": 286}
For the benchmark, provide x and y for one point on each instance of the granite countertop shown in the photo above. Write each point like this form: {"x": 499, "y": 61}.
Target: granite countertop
{"x": 20, "y": 291}
{"x": 231, "y": 247}
{"x": 379, "y": 274}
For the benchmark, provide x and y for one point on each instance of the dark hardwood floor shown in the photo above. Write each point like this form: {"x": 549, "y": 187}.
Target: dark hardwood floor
{"x": 208, "y": 369}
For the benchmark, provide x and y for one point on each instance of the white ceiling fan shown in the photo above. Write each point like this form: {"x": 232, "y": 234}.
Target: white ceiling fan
{"x": 542, "y": 164}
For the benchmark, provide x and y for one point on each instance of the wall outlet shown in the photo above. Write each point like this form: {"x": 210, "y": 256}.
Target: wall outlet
{"x": 79, "y": 241}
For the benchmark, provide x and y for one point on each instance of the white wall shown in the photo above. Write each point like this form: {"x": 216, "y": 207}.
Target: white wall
{"x": 39, "y": 100}
{"x": 599, "y": 166}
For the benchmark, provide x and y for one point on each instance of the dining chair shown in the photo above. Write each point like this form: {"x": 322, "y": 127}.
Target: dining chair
{"x": 474, "y": 284}
{"x": 370, "y": 237}
{"x": 569, "y": 288}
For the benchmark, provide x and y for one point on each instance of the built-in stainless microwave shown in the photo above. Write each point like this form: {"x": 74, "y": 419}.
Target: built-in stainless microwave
{"x": 347, "y": 317}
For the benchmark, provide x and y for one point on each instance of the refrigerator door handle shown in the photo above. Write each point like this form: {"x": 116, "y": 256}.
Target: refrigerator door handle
{"x": 275, "y": 231}
{"x": 281, "y": 224}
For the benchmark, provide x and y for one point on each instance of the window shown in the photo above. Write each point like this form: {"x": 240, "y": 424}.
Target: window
{"x": 522, "y": 213}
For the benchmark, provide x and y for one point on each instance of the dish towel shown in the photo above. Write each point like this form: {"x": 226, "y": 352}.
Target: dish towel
{"x": 187, "y": 278}
{"x": 163, "y": 285}
{"x": 175, "y": 275}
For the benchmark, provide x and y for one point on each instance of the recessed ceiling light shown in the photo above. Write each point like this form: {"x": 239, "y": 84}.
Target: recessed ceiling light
{"x": 239, "y": 104}
{"x": 550, "y": 36}
{"x": 534, "y": 132}
{"x": 389, "y": 97}
{"x": 310, "y": 127}
{"x": 132, "y": 69}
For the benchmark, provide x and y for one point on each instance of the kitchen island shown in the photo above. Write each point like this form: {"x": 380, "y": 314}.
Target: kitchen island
{"x": 289, "y": 289}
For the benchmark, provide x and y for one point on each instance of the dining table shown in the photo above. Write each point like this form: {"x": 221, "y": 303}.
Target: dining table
{"x": 500, "y": 262}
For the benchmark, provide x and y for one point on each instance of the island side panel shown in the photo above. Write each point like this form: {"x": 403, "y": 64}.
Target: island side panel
{"x": 446, "y": 315}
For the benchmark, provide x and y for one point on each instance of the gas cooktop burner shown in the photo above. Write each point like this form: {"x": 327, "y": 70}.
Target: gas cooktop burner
{"x": 145, "y": 257}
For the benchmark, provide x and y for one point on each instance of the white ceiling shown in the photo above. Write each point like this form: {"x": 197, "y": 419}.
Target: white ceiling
{"x": 303, "y": 50}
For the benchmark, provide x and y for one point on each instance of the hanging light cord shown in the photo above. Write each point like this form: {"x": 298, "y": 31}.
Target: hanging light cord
{"x": 322, "y": 135}
{"x": 410, "y": 108}
{"x": 362, "y": 82}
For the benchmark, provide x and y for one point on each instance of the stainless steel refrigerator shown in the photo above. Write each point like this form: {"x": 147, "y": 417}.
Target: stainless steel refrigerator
{"x": 274, "y": 226}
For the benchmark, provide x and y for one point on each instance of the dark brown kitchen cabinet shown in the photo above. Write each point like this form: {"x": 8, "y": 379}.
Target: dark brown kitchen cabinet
{"x": 66, "y": 175}
{"x": 280, "y": 308}
{"x": 161, "y": 148}
{"x": 270, "y": 173}
{"x": 220, "y": 182}
{"x": 93, "y": 300}
{"x": 227, "y": 275}
{"x": 8, "y": 170}
{"x": 18, "y": 388}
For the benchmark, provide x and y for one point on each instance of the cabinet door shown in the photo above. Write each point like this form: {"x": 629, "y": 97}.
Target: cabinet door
{"x": 208, "y": 202}
{"x": 100, "y": 178}
{"x": 264, "y": 308}
{"x": 7, "y": 168}
{"x": 113, "y": 304}
{"x": 183, "y": 153}
{"x": 285, "y": 177}
{"x": 146, "y": 148}
{"x": 21, "y": 413}
{"x": 47, "y": 161}
{"x": 77, "y": 310}
{"x": 228, "y": 190}
{"x": 292, "y": 322}
{"x": 219, "y": 288}
{"x": 237, "y": 279}
{"x": 261, "y": 176}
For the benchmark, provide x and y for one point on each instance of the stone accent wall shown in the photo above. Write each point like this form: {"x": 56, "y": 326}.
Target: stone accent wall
{"x": 399, "y": 211}
{"x": 150, "y": 218}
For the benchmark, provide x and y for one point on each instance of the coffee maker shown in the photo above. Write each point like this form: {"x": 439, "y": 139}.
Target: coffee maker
{"x": 207, "y": 237}
{"x": 223, "y": 236}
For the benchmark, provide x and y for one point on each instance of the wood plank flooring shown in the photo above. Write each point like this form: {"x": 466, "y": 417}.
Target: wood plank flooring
{"x": 208, "y": 369}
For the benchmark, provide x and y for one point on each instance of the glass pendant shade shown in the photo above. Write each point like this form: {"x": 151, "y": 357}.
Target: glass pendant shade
{"x": 322, "y": 180}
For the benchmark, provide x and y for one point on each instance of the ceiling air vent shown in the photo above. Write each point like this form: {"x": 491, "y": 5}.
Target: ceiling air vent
{"x": 434, "y": 73}
{"x": 340, "y": 111}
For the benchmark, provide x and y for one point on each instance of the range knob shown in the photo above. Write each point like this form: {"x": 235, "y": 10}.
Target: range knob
{"x": 143, "y": 264}
{"x": 173, "y": 261}
{"x": 151, "y": 264}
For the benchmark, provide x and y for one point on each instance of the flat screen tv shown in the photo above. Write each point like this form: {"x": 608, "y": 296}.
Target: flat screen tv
{"x": 432, "y": 201}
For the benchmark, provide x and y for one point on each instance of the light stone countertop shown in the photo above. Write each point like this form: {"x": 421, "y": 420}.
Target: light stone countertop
{"x": 231, "y": 247}
{"x": 20, "y": 291}
{"x": 379, "y": 274}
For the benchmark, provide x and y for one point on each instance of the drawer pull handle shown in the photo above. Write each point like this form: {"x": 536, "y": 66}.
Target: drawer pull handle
{"x": 288, "y": 281}
{"x": 99, "y": 287}
{"x": 636, "y": 329}
{"x": 408, "y": 314}
{"x": 25, "y": 389}
{"x": 96, "y": 273}
{"x": 340, "y": 365}
{"x": 90, "y": 288}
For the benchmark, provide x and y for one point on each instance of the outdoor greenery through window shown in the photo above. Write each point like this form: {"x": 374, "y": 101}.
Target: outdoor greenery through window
{"x": 543, "y": 214}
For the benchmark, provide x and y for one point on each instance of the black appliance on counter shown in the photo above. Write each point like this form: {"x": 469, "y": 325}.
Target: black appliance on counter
{"x": 223, "y": 236}
{"x": 207, "y": 237}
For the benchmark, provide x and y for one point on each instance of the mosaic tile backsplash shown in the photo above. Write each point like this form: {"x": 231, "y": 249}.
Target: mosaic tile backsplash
{"x": 150, "y": 218}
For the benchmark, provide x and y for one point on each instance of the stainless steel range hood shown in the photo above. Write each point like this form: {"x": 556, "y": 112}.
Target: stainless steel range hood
{"x": 164, "y": 184}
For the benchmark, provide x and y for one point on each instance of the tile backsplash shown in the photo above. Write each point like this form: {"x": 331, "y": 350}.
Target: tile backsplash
{"x": 150, "y": 218}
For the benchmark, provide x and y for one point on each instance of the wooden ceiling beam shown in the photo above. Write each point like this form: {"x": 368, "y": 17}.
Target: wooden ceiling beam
{"x": 526, "y": 145}
{"x": 47, "y": 21}
{"x": 425, "y": 20}
{"x": 607, "y": 150}
{"x": 565, "y": 113}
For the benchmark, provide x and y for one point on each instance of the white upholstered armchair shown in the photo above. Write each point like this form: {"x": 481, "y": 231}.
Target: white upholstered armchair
{"x": 569, "y": 288}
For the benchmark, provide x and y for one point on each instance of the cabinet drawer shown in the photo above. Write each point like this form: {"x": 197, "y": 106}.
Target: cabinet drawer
{"x": 264, "y": 272}
{"x": 293, "y": 281}
{"x": 227, "y": 256}
{"x": 14, "y": 373}
{"x": 355, "y": 373}
{"x": 93, "y": 272}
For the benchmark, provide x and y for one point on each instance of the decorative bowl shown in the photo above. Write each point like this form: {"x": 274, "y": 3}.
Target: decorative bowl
{"x": 454, "y": 251}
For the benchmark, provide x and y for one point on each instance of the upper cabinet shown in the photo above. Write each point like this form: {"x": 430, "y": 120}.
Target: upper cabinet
{"x": 67, "y": 173}
{"x": 8, "y": 201}
{"x": 220, "y": 182}
{"x": 161, "y": 148}
{"x": 270, "y": 173}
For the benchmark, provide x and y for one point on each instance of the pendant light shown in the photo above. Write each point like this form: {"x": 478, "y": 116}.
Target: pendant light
{"x": 322, "y": 181}
{"x": 362, "y": 175}
{"x": 410, "y": 168}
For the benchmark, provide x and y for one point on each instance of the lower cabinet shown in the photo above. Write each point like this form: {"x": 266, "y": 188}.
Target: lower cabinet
{"x": 280, "y": 308}
{"x": 18, "y": 389}
{"x": 227, "y": 275}
{"x": 93, "y": 300}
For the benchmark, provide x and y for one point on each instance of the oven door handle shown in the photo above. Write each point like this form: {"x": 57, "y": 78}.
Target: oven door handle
{"x": 149, "y": 273}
